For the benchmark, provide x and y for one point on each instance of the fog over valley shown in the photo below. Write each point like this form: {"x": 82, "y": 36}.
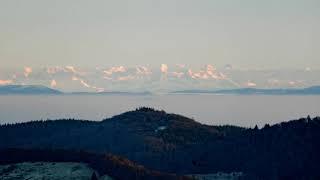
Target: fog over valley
{"x": 208, "y": 109}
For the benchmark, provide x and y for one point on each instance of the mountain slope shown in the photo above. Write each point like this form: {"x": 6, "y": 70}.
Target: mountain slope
{"x": 103, "y": 165}
{"x": 47, "y": 170}
{"x": 144, "y": 136}
{"x": 176, "y": 144}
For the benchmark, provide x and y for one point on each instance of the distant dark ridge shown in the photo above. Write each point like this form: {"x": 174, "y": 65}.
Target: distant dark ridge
{"x": 122, "y": 93}
{"x": 314, "y": 90}
{"x": 70, "y": 121}
{"x": 27, "y": 90}
{"x": 43, "y": 90}
{"x": 116, "y": 167}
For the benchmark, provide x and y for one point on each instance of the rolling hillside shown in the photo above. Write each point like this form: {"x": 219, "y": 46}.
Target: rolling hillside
{"x": 176, "y": 144}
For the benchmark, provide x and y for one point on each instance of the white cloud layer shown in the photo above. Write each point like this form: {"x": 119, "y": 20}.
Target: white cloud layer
{"x": 144, "y": 78}
{"x": 27, "y": 71}
{"x": 6, "y": 82}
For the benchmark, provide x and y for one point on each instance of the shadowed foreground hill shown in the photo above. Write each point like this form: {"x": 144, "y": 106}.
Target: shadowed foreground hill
{"x": 49, "y": 171}
{"x": 106, "y": 165}
{"x": 176, "y": 144}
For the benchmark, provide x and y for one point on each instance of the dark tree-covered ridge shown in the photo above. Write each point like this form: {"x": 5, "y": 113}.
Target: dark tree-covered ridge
{"x": 177, "y": 144}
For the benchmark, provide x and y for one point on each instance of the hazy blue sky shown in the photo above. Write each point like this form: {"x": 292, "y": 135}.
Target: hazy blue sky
{"x": 244, "y": 33}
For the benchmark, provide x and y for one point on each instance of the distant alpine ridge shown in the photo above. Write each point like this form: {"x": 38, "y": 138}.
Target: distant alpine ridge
{"x": 27, "y": 89}
{"x": 39, "y": 89}
{"x": 314, "y": 90}
{"x": 113, "y": 93}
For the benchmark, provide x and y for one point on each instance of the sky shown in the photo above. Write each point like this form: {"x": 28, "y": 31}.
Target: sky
{"x": 282, "y": 35}
{"x": 245, "y": 33}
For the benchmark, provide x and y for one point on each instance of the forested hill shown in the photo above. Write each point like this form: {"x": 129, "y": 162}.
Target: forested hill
{"x": 176, "y": 144}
